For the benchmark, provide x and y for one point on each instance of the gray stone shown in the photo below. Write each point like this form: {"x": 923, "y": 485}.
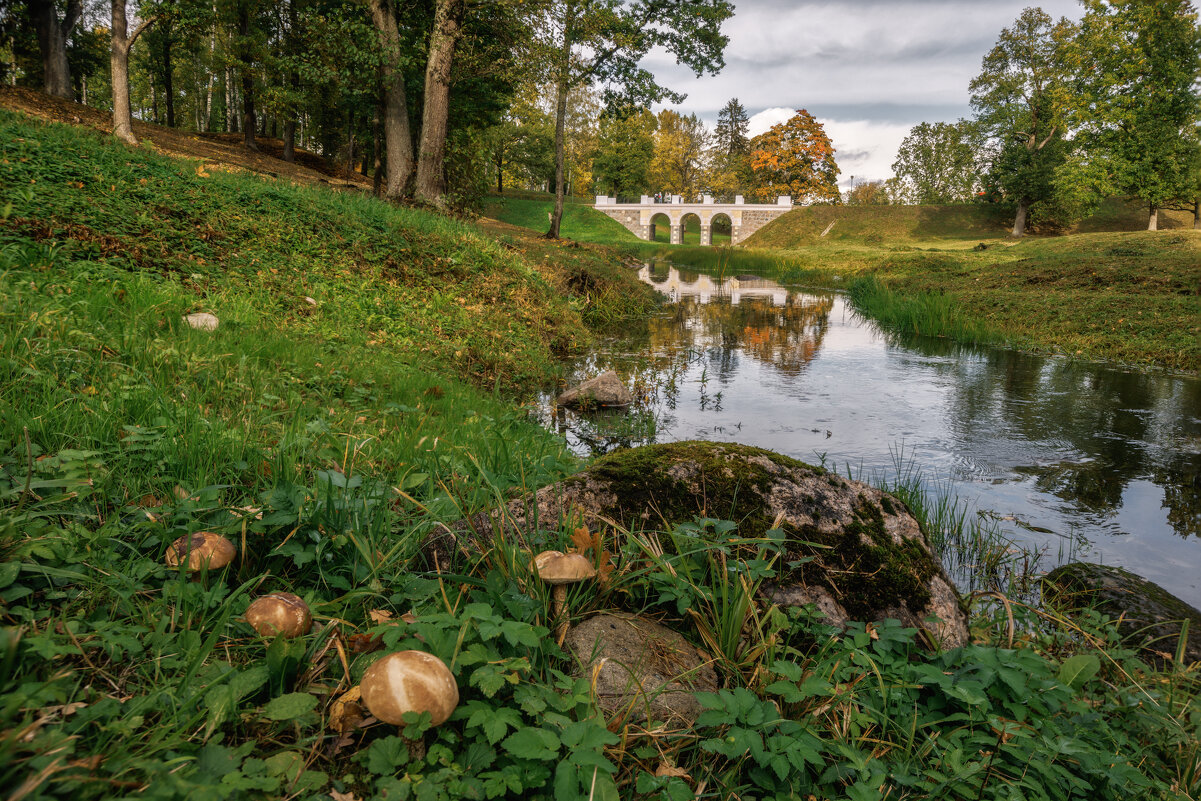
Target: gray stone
{"x": 202, "y": 321}
{"x": 607, "y": 389}
{"x": 853, "y": 551}
{"x": 1149, "y": 617}
{"x": 643, "y": 672}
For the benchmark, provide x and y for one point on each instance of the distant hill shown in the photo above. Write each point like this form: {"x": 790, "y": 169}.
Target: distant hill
{"x": 891, "y": 225}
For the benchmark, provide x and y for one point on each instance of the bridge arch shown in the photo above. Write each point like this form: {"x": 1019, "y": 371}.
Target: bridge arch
{"x": 691, "y": 229}
{"x": 660, "y": 227}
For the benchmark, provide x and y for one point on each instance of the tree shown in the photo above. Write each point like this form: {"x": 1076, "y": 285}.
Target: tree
{"x": 52, "y": 42}
{"x": 679, "y": 160}
{"x": 121, "y": 43}
{"x": 936, "y": 164}
{"x": 1020, "y": 98}
{"x": 625, "y": 149}
{"x": 1140, "y": 63}
{"x": 730, "y": 137}
{"x": 398, "y": 141}
{"x": 795, "y": 158}
{"x": 603, "y": 41}
{"x": 448, "y": 25}
{"x": 868, "y": 193}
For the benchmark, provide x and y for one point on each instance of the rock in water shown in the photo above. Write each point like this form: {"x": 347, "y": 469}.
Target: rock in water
{"x": 643, "y": 671}
{"x": 1149, "y": 617}
{"x": 202, "y": 321}
{"x": 853, "y": 551}
{"x": 604, "y": 390}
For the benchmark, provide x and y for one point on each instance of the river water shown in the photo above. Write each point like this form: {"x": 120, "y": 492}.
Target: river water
{"x": 1072, "y": 460}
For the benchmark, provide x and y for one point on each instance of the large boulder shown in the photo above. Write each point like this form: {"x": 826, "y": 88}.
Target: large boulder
{"x": 642, "y": 672}
{"x": 853, "y": 551}
{"x": 1149, "y": 617}
{"x": 607, "y": 389}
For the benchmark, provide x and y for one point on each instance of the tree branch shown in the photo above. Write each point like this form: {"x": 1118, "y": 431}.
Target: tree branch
{"x": 74, "y": 12}
{"x": 141, "y": 28}
{"x": 1048, "y": 139}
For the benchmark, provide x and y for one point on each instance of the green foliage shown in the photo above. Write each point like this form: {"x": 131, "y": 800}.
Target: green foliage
{"x": 625, "y": 148}
{"x": 936, "y": 164}
{"x": 1137, "y": 104}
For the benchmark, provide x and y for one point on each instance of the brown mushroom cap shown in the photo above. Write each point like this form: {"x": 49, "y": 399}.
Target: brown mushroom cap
{"x": 347, "y": 710}
{"x": 201, "y": 549}
{"x": 556, "y": 567}
{"x": 280, "y": 613}
{"x": 409, "y": 681}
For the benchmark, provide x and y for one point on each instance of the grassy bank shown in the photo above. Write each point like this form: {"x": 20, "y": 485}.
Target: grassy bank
{"x": 326, "y": 442}
{"x": 580, "y": 221}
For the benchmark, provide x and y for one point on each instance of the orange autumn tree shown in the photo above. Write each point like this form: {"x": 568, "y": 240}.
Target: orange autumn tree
{"x": 795, "y": 158}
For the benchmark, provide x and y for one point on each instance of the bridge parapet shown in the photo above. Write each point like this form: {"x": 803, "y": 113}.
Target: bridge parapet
{"x": 745, "y": 218}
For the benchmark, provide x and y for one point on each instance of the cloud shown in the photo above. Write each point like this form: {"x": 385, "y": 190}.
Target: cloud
{"x": 868, "y": 69}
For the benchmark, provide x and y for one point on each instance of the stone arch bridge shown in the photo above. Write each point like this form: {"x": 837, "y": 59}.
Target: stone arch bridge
{"x": 745, "y": 218}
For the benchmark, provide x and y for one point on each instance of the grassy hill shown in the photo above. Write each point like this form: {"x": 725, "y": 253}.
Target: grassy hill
{"x": 580, "y": 221}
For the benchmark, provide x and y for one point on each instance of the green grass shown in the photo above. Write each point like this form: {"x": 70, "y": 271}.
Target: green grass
{"x": 327, "y": 444}
{"x": 580, "y": 221}
{"x": 892, "y": 226}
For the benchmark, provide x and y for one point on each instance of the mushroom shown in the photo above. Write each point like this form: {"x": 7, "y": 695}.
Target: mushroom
{"x": 280, "y": 613}
{"x": 410, "y": 681}
{"x": 560, "y": 569}
{"x": 201, "y": 550}
{"x": 347, "y": 710}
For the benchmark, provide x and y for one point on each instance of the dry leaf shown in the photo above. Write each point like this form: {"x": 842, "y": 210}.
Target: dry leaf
{"x": 336, "y": 796}
{"x": 380, "y": 616}
{"x": 582, "y": 540}
{"x": 667, "y": 769}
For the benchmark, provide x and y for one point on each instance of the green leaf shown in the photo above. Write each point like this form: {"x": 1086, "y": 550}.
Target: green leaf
{"x": 1079, "y": 669}
{"x": 8, "y": 573}
{"x": 532, "y": 743}
{"x": 290, "y": 706}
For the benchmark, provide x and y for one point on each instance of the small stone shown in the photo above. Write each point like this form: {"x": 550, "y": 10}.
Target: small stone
{"x": 310, "y": 301}
{"x": 1149, "y": 617}
{"x": 202, "y": 321}
{"x": 607, "y": 389}
{"x": 644, "y": 672}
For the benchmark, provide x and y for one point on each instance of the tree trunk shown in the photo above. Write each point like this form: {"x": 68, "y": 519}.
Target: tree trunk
{"x": 294, "y": 82}
{"x": 398, "y": 142}
{"x": 561, "y": 89}
{"x": 52, "y": 42}
{"x": 119, "y": 62}
{"x": 248, "y": 120}
{"x": 1197, "y": 214}
{"x": 448, "y": 23}
{"x": 1019, "y": 222}
{"x": 500, "y": 170}
{"x": 231, "y": 114}
{"x": 168, "y": 78}
{"x": 1153, "y": 218}
{"x": 377, "y": 134}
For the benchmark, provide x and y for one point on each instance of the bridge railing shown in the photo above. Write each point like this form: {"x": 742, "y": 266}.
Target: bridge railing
{"x": 667, "y": 200}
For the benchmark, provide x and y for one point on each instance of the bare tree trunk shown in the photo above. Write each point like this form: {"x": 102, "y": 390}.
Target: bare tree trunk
{"x": 168, "y": 78}
{"x": 248, "y": 119}
{"x": 294, "y": 82}
{"x": 52, "y": 42}
{"x": 431, "y": 182}
{"x": 561, "y": 89}
{"x": 119, "y": 64}
{"x": 1153, "y": 218}
{"x": 377, "y": 135}
{"x": 398, "y": 142}
{"x": 1197, "y": 214}
{"x": 1019, "y": 222}
{"x": 231, "y": 114}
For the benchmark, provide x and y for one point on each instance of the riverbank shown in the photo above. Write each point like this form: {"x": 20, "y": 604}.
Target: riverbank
{"x": 1119, "y": 295}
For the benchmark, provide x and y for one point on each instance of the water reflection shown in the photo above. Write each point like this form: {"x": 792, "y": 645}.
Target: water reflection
{"x": 1060, "y": 452}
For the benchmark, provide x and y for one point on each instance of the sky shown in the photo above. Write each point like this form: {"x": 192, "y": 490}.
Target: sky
{"x": 869, "y": 70}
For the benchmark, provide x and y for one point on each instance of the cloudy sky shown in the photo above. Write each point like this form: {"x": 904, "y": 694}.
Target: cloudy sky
{"x": 868, "y": 69}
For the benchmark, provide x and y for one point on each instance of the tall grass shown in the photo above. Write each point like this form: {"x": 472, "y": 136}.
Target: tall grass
{"x": 921, "y": 313}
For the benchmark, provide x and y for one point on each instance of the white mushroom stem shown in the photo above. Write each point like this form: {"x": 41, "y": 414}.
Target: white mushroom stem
{"x": 560, "y": 612}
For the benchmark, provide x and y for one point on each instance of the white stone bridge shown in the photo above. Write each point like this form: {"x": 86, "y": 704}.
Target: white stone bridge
{"x": 642, "y": 218}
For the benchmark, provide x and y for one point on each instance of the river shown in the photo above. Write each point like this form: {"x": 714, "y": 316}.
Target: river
{"x": 1069, "y": 460}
